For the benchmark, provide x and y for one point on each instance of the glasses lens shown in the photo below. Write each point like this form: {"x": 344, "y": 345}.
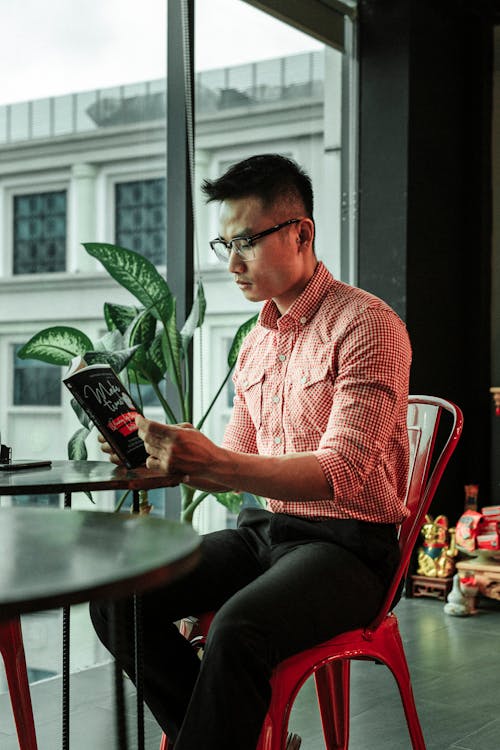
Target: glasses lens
{"x": 244, "y": 250}
{"x": 220, "y": 250}
{"x": 240, "y": 247}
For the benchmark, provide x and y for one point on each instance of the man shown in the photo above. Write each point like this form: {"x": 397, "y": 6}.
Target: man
{"x": 318, "y": 428}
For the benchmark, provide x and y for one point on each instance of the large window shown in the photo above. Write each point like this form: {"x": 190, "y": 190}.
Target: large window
{"x": 40, "y": 232}
{"x": 283, "y": 93}
{"x": 83, "y": 141}
{"x": 82, "y": 109}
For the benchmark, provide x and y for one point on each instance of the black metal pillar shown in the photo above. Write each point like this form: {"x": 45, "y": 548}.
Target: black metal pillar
{"x": 180, "y": 152}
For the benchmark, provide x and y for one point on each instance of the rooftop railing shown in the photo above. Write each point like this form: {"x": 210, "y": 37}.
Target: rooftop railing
{"x": 243, "y": 86}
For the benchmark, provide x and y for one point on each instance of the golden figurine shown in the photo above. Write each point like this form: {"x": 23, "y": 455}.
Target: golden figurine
{"x": 437, "y": 556}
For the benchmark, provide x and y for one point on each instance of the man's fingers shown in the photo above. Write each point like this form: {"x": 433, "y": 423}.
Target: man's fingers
{"x": 108, "y": 450}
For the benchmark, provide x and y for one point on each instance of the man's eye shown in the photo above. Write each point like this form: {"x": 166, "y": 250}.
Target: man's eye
{"x": 242, "y": 245}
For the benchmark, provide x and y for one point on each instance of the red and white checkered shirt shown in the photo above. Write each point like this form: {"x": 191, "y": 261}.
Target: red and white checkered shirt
{"x": 330, "y": 376}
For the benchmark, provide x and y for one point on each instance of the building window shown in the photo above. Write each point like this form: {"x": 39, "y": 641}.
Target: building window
{"x": 140, "y": 218}
{"x": 35, "y": 383}
{"x": 40, "y": 232}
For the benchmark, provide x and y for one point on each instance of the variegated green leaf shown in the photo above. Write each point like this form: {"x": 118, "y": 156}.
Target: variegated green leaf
{"x": 142, "y": 329}
{"x": 118, "y": 360}
{"x": 77, "y": 450}
{"x": 112, "y": 341}
{"x": 144, "y": 370}
{"x": 171, "y": 349}
{"x": 242, "y": 331}
{"x": 137, "y": 274}
{"x": 82, "y": 415}
{"x": 155, "y": 352}
{"x": 148, "y": 365}
{"x": 119, "y": 316}
{"x": 57, "y": 345}
{"x": 195, "y": 318}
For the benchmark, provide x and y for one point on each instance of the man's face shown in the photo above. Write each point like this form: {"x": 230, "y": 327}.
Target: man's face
{"x": 278, "y": 270}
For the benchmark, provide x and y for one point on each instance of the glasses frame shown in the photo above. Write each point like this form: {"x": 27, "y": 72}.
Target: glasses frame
{"x": 249, "y": 240}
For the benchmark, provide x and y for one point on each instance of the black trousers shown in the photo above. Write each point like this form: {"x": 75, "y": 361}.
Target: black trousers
{"x": 280, "y": 584}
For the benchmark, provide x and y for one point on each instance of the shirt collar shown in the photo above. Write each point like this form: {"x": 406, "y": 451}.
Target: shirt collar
{"x": 306, "y": 304}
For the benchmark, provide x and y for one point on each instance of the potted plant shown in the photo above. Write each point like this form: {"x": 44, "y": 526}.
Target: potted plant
{"x": 145, "y": 344}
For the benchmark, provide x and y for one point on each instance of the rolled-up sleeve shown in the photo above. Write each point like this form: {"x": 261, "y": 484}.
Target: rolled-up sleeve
{"x": 367, "y": 424}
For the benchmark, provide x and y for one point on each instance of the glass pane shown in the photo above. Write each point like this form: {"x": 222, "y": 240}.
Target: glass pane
{"x": 3, "y": 123}
{"x": 41, "y": 118}
{"x": 63, "y": 115}
{"x": 267, "y": 96}
{"x": 19, "y": 121}
{"x": 82, "y": 108}
{"x": 37, "y": 501}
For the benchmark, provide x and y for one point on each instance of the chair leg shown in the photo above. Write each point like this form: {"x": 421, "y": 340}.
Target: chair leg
{"x": 332, "y": 688}
{"x": 395, "y": 659}
{"x": 12, "y": 649}
{"x": 405, "y": 690}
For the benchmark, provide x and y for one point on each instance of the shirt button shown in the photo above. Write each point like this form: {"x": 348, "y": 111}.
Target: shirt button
{"x": 282, "y": 357}
{"x": 303, "y": 379}
{"x": 303, "y": 321}
{"x": 276, "y": 399}
{"x": 277, "y": 440}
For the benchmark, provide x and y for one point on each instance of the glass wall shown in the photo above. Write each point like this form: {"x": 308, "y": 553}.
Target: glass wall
{"x": 82, "y": 158}
{"x": 280, "y": 92}
{"x": 83, "y": 123}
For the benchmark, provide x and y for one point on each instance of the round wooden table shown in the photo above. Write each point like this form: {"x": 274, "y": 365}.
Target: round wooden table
{"x": 78, "y": 476}
{"x": 54, "y": 558}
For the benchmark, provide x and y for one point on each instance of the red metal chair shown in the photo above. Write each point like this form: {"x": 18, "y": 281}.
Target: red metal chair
{"x": 381, "y": 640}
{"x": 12, "y": 650}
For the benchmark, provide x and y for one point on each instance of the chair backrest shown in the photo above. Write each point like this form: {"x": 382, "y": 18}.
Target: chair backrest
{"x": 426, "y": 466}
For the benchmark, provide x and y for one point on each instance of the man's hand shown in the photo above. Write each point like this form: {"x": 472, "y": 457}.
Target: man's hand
{"x": 106, "y": 448}
{"x": 178, "y": 450}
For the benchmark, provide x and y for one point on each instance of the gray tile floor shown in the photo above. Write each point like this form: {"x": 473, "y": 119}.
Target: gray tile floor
{"x": 455, "y": 667}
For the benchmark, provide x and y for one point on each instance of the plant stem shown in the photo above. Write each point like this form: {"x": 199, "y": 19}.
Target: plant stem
{"x": 187, "y": 391}
{"x": 189, "y": 504}
{"x": 122, "y": 500}
{"x": 176, "y": 375}
{"x": 165, "y": 405}
{"x": 202, "y": 420}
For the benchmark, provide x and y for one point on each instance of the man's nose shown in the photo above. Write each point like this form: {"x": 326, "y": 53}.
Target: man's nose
{"x": 235, "y": 264}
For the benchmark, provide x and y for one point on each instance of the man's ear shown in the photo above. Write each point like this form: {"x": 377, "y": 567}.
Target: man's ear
{"x": 306, "y": 233}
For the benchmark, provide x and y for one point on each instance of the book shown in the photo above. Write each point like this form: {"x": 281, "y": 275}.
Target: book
{"x": 109, "y": 405}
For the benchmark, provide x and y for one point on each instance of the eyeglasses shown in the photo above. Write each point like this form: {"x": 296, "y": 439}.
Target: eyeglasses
{"x": 243, "y": 246}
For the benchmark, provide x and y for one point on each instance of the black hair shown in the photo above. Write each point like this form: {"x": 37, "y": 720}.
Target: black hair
{"x": 269, "y": 177}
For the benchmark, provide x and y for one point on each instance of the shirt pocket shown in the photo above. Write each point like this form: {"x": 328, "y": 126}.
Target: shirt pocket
{"x": 310, "y": 395}
{"x": 249, "y": 384}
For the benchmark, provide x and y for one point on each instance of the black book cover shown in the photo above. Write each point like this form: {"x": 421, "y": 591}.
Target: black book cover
{"x": 109, "y": 405}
